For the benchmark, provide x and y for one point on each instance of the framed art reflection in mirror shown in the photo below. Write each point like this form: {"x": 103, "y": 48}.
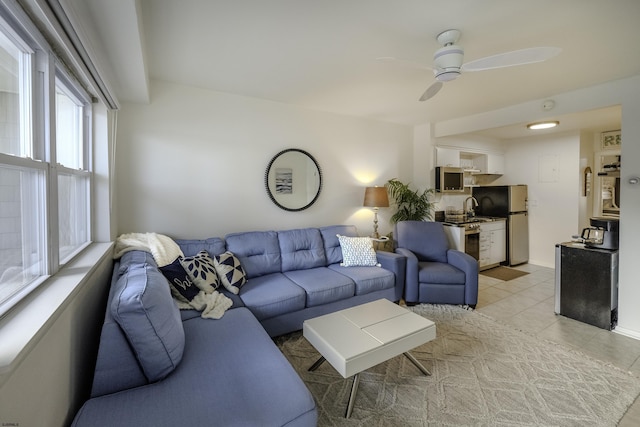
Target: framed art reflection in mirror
{"x": 293, "y": 179}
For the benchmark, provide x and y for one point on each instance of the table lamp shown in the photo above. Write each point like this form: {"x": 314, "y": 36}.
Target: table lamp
{"x": 376, "y": 197}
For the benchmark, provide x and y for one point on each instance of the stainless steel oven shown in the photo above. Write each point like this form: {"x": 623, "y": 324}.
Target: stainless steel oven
{"x": 472, "y": 240}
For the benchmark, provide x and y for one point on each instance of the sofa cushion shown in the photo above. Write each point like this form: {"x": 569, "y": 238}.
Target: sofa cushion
{"x": 332, "y": 250}
{"x": 230, "y": 270}
{"x": 182, "y": 287}
{"x": 272, "y": 295}
{"x": 214, "y": 246}
{"x": 441, "y": 273}
{"x": 143, "y": 307}
{"x": 322, "y": 285}
{"x": 301, "y": 249}
{"x": 258, "y": 251}
{"x": 201, "y": 271}
{"x": 357, "y": 251}
{"x": 367, "y": 279}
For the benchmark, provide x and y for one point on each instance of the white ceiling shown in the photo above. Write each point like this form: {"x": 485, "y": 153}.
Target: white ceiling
{"x": 321, "y": 54}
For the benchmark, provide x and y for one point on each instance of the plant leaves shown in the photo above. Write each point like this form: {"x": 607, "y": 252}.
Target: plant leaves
{"x": 411, "y": 205}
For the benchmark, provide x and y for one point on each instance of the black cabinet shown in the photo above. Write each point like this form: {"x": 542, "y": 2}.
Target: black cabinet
{"x": 587, "y": 284}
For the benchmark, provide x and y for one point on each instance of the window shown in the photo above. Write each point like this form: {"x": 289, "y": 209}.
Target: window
{"x": 45, "y": 176}
{"x": 73, "y": 176}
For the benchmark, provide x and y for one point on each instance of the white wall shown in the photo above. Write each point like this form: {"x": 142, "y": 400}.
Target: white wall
{"x": 550, "y": 167}
{"x": 191, "y": 164}
{"x": 49, "y": 383}
{"x": 629, "y": 289}
{"x": 586, "y": 160}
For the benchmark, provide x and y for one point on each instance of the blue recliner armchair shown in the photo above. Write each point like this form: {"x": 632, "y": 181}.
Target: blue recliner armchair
{"x": 435, "y": 274}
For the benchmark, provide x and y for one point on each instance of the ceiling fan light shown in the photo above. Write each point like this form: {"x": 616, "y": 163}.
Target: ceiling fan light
{"x": 543, "y": 125}
{"x": 448, "y": 59}
{"x": 447, "y": 75}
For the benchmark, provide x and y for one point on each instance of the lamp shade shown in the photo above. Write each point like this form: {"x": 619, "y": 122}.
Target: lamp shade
{"x": 376, "y": 197}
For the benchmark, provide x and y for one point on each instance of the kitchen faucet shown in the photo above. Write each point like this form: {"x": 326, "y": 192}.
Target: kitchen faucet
{"x": 474, "y": 203}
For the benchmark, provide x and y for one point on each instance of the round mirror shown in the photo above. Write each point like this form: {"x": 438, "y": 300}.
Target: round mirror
{"x": 293, "y": 179}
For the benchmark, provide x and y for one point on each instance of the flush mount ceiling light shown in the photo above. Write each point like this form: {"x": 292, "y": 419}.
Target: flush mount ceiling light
{"x": 543, "y": 125}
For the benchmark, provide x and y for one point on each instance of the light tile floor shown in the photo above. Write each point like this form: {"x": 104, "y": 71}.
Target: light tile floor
{"x": 527, "y": 303}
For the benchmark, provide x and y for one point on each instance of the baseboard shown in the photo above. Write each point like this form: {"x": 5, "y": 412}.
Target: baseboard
{"x": 627, "y": 332}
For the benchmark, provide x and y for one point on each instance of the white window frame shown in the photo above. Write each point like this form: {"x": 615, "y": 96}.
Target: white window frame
{"x": 39, "y": 69}
{"x": 79, "y": 96}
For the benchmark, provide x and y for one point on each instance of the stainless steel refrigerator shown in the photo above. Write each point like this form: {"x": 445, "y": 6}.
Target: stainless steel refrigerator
{"x": 510, "y": 202}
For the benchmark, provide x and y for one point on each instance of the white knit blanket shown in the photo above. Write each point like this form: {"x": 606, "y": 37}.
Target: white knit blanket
{"x": 163, "y": 248}
{"x": 164, "y": 251}
{"x": 212, "y": 306}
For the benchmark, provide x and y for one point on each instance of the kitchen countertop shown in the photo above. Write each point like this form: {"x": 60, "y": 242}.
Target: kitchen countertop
{"x": 472, "y": 220}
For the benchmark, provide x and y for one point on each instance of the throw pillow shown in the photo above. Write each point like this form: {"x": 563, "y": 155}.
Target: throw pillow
{"x": 182, "y": 288}
{"x": 201, "y": 271}
{"x": 357, "y": 251}
{"x": 232, "y": 275}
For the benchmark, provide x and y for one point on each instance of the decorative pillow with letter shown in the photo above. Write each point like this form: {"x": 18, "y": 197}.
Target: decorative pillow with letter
{"x": 230, "y": 271}
{"x": 357, "y": 251}
{"x": 201, "y": 271}
{"x": 182, "y": 288}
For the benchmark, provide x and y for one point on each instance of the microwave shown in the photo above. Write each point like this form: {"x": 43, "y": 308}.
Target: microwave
{"x": 449, "y": 180}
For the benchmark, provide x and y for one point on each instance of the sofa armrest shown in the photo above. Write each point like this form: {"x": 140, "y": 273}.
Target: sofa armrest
{"x": 469, "y": 265}
{"x": 411, "y": 288}
{"x": 395, "y": 263}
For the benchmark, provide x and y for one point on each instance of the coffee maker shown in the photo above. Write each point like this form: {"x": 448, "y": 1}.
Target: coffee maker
{"x": 603, "y": 233}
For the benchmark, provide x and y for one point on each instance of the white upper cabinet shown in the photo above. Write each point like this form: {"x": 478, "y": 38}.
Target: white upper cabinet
{"x": 472, "y": 162}
{"x": 447, "y": 157}
{"x": 495, "y": 164}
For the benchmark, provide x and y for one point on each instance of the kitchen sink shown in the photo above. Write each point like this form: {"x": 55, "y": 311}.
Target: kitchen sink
{"x": 472, "y": 220}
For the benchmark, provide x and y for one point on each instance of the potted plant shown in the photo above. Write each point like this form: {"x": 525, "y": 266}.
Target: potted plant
{"x": 411, "y": 205}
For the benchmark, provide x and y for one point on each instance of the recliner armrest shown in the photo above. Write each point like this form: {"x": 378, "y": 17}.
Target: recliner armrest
{"x": 460, "y": 259}
{"x": 469, "y": 265}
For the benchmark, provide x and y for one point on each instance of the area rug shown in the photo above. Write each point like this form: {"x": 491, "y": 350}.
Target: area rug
{"x": 503, "y": 273}
{"x": 484, "y": 373}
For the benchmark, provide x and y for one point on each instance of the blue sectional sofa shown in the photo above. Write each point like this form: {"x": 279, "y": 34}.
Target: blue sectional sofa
{"x": 159, "y": 366}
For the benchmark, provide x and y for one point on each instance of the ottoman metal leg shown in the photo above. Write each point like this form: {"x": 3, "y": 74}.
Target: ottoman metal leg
{"x": 352, "y": 395}
{"x": 317, "y": 364}
{"x": 417, "y": 363}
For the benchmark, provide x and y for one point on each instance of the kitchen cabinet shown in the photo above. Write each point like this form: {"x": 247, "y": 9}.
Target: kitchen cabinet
{"x": 447, "y": 157}
{"x": 498, "y": 251}
{"x": 495, "y": 164}
{"x": 493, "y": 244}
{"x": 471, "y": 162}
{"x": 489, "y": 164}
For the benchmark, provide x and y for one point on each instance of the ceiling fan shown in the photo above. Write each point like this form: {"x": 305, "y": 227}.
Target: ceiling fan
{"x": 448, "y": 65}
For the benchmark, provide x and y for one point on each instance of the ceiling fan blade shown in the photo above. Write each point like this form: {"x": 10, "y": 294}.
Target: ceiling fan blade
{"x": 510, "y": 59}
{"x": 403, "y": 62}
{"x": 431, "y": 91}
